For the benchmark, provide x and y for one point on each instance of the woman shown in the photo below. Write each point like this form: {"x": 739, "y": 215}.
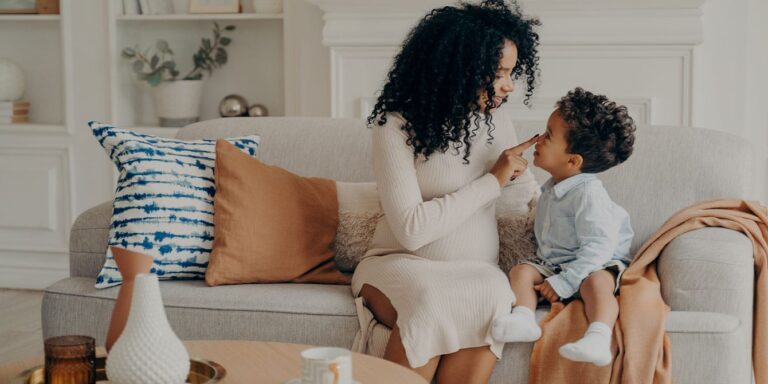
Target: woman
{"x": 441, "y": 150}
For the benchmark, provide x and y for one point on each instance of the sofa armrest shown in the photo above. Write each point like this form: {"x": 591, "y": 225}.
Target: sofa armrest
{"x": 709, "y": 270}
{"x": 88, "y": 241}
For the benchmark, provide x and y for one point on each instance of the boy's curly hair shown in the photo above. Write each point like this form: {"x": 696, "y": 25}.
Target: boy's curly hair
{"x": 599, "y": 130}
{"x": 451, "y": 55}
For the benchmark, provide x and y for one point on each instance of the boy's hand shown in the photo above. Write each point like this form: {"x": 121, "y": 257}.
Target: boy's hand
{"x": 546, "y": 290}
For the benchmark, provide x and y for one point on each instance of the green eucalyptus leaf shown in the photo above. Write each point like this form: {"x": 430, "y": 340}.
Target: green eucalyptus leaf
{"x": 155, "y": 78}
{"x": 129, "y": 53}
{"x": 221, "y": 56}
{"x": 162, "y": 46}
{"x": 207, "y": 44}
{"x": 225, "y": 41}
{"x": 153, "y": 62}
{"x": 138, "y": 66}
{"x": 194, "y": 77}
{"x": 229, "y": 28}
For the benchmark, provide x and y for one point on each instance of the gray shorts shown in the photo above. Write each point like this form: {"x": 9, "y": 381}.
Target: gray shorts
{"x": 616, "y": 267}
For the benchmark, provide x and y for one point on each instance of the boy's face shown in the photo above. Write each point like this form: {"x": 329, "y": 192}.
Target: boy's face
{"x": 551, "y": 152}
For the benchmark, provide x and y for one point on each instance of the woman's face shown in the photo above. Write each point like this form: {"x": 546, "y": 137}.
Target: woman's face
{"x": 503, "y": 85}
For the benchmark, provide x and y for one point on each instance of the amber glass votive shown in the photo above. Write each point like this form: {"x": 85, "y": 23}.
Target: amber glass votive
{"x": 70, "y": 360}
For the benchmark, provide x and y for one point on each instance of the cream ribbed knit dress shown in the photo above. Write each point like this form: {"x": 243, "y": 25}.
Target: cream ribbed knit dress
{"x": 435, "y": 252}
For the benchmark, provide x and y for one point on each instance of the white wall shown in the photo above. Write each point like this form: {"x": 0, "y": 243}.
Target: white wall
{"x": 307, "y": 61}
{"x": 729, "y": 79}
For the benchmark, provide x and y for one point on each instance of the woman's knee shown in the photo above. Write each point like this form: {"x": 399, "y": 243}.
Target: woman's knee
{"x": 380, "y": 305}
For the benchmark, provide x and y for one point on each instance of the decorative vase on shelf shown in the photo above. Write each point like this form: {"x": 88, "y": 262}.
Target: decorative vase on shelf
{"x": 11, "y": 81}
{"x": 268, "y": 6}
{"x": 148, "y": 351}
{"x": 177, "y": 103}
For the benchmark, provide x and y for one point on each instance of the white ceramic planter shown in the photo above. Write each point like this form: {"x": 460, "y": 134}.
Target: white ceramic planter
{"x": 147, "y": 351}
{"x": 268, "y": 6}
{"x": 177, "y": 103}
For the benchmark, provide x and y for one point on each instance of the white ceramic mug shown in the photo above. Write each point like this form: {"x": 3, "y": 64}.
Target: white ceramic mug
{"x": 326, "y": 365}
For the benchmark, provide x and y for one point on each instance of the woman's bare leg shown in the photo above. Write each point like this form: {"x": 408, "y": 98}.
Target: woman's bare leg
{"x": 386, "y": 314}
{"x": 467, "y": 366}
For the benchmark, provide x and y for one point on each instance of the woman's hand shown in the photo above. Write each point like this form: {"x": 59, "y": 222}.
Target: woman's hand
{"x": 546, "y": 291}
{"x": 511, "y": 162}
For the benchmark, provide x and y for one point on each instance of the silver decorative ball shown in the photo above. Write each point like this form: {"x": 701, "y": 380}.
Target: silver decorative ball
{"x": 233, "y": 105}
{"x": 258, "y": 110}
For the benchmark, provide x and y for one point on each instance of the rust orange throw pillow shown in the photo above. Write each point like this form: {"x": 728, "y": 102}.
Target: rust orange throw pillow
{"x": 270, "y": 225}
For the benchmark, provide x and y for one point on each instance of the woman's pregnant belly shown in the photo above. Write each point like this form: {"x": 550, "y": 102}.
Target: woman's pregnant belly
{"x": 475, "y": 239}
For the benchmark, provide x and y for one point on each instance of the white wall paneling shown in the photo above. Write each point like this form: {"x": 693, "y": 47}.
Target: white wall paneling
{"x": 34, "y": 215}
{"x": 637, "y": 52}
{"x": 36, "y": 176}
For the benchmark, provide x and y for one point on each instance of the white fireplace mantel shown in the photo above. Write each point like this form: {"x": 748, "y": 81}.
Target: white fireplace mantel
{"x": 638, "y": 52}
{"x": 570, "y": 22}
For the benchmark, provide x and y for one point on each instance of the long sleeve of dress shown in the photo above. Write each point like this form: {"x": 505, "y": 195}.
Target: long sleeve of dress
{"x": 415, "y": 222}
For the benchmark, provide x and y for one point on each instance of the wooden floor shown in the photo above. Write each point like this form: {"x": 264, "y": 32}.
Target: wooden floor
{"x": 20, "y": 332}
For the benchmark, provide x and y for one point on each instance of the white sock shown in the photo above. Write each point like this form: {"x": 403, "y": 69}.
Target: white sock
{"x": 520, "y": 325}
{"x": 594, "y": 347}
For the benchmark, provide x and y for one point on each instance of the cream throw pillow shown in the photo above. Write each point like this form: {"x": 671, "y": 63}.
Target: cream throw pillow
{"x": 360, "y": 212}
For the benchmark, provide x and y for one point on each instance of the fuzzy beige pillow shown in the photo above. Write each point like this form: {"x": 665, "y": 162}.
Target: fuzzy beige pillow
{"x": 360, "y": 212}
{"x": 517, "y": 242}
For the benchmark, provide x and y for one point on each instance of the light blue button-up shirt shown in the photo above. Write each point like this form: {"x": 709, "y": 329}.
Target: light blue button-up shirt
{"x": 579, "y": 229}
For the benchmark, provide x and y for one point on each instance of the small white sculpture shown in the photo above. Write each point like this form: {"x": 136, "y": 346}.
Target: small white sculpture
{"x": 147, "y": 351}
{"x": 11, "y": 81}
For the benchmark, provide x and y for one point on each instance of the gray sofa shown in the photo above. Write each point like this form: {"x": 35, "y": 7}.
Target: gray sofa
{"x": 706, "y": 275}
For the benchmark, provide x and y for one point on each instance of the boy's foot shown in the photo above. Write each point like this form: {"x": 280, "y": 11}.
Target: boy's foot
{"x": 594, "y": 347}
{"x": 518, "y": 326}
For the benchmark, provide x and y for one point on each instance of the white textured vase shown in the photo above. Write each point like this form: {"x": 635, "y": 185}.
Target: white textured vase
{"x": 11, "y": 81}
{"x": 147, "y": 351}
{"x": 177, "y": 103}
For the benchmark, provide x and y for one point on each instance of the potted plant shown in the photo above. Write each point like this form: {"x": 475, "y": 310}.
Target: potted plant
{"x": 177, "y": 102}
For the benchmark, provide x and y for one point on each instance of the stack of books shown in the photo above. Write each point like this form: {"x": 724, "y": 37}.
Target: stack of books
{"x": 13, "y": 112}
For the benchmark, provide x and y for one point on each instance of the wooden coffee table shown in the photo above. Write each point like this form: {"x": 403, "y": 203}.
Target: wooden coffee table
{"x": 261, "y": 362}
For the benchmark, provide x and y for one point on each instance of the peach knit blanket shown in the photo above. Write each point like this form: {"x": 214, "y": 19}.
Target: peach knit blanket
{"x": 643, "y": 353}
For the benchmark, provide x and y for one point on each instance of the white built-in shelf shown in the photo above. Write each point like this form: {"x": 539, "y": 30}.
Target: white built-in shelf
{"x": 209, "y": 16}
{"x": 31, "y": 128}
{"x": 25, "y": 17}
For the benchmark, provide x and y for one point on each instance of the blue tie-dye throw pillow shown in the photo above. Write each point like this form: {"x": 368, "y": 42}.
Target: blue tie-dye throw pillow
{"x": 163, "y": 201}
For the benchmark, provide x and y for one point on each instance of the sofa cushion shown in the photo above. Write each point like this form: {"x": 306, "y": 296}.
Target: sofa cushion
{"x": 318, "y": 314}
{"x": 163, "y": 202}
{"x": 271, "y": 225}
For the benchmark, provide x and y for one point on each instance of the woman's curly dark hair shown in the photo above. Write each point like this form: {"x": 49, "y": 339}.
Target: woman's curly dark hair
{"x": 599, "y": 130}
{"x": 445, "y": 62}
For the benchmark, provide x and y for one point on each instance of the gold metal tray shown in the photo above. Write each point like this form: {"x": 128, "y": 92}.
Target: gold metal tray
{"x": 200, "y": 372}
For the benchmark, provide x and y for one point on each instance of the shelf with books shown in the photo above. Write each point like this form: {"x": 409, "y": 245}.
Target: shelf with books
{"x": 36, "y": 49}
{"x": 255, "y": 60}
{"x": 31, "y": 128}
{"x": 201, "y": 17}
{"x": 30, "y": 18}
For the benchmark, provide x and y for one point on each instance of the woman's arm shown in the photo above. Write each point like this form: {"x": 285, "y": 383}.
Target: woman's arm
{"x": 415, "y": 222}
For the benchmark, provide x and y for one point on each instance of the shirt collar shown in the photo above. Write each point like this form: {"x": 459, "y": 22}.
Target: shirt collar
{"x": 561, "y": 188}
